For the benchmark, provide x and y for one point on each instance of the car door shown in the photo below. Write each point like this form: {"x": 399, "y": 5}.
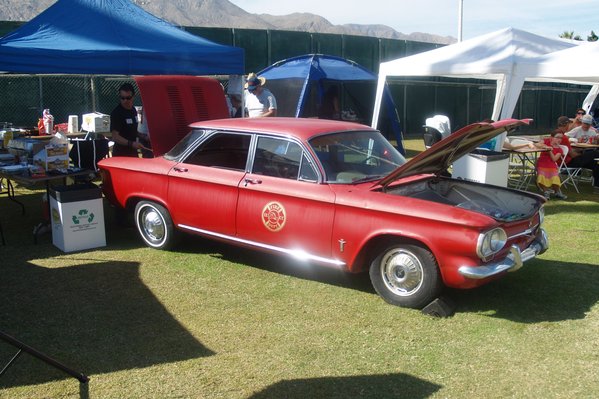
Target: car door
{"x": 281, "y": 203}
{"x": 204, "y": 187}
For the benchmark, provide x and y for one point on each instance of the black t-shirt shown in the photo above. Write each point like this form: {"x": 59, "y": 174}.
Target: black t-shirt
{"x": 124, "y": 121}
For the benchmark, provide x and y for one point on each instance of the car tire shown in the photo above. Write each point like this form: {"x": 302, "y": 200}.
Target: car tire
{"x": 406, "y": 275}
{"x": 155, "y": 225}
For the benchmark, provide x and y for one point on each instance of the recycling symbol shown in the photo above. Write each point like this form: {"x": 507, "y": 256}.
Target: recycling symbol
{"x": 83, "y": 214}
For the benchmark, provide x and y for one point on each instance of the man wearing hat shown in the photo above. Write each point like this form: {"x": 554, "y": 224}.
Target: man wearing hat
{"x": 585, "y": 132}
{"x": 577, "y": 158}
{"x": 259, "y": 101}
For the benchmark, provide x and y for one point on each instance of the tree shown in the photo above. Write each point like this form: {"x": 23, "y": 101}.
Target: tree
{"x": 570, "y": 35}
{"x": 567, "y": 35}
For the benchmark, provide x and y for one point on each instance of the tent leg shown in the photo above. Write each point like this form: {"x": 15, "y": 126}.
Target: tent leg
{"x": 54, "y": 363}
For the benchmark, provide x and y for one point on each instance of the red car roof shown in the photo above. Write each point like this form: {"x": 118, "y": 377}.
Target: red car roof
{"x": 301, "y": 128}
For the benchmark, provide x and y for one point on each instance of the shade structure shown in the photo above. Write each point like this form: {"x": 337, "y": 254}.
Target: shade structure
{"x": 300, "y": 83}
{"x": 111, "y": 37}
{"x": 492, "y": 56}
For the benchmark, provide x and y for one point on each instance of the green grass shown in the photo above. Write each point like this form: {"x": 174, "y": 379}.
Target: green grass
{"x": 213, "y": 321}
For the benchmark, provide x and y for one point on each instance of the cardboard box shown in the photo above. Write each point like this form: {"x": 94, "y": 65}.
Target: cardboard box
{"x": 55, "y": 163}
{"x": 77, "y": 217}
{"x": 56, "y": 150}
{"x": 53, "y": 157}
{"x": 96, "y": 122}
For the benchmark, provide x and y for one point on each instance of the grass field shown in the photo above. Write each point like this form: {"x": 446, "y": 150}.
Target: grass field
{"x": 212, "y": 321}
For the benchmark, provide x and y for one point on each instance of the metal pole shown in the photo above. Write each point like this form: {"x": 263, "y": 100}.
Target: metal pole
{"x": 26, "y": 348}
{"x": 460, "y": 18}
{"x": 93, "y": 89}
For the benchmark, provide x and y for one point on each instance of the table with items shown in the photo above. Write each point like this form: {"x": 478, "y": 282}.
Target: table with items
{"x": 522, "y": 168}
{"x": 584, "y": 146}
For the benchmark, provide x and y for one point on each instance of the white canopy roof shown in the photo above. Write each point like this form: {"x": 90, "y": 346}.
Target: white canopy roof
{"x": 491, "y": 56}
{"x": 576, "y": 65}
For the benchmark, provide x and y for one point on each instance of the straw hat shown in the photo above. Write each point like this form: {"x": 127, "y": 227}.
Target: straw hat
{"x": 253, "y": 81}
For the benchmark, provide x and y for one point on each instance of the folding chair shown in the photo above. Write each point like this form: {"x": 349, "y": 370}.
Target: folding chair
{"x": 570, "y": 173}
{"x": 431, "y": 136}
{"x": 435, "y": 129}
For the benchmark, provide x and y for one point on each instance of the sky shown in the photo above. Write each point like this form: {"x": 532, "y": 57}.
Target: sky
{"x": 440, "y": 17}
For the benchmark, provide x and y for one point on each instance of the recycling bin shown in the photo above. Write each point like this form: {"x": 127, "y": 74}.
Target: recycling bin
{"x": 483, "y": 166}
{"x": 77, "y": 217}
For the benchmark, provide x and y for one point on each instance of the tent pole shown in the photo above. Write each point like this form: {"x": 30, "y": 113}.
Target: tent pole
{"x": 460, "y": 19}
{"x": 41, "y": 91}
{"x": 93, "y": 89}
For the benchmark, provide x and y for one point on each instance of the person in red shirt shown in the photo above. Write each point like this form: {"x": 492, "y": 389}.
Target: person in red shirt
{"x": 577, "y": 158}
{"x": 548, "y": 167}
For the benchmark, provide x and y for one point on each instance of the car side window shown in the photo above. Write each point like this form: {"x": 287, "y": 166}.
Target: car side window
{"x": 307, "y": 171}
{"x": 222, "y": 150}
{"x": 281, "y": 158}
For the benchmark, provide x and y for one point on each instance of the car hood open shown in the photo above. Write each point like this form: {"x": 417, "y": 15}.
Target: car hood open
{"x": 172, "y": 103}
{"x": 441, "y": 155}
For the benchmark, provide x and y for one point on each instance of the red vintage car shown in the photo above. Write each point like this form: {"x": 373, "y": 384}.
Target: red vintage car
{"x": 338, "y": 194}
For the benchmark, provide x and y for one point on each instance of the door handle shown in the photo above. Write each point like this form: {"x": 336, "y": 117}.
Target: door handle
{"x": 179, "y": 169}
{"x": 251, "y": 181}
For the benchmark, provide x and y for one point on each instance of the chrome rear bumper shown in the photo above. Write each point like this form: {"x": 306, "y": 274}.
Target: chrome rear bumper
{"x": 512, "y": 262}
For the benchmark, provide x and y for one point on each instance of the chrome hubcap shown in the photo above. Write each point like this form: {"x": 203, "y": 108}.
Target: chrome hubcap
{"x": 152, "y": 224}
{"x": 401, "y": 271}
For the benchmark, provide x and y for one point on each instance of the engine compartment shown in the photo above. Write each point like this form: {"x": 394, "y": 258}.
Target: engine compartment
{"x": 502, "y": 204}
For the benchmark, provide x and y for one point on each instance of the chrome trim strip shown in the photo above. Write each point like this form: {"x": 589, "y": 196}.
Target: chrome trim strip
{"x": 527, "y": 232}
{"x": 295, "y": 253}
{"x": 511, "y": 262}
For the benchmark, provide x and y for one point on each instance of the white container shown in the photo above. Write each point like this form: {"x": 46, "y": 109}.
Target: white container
{"x": 73, "y": 126}
{"x": 96, "y": 122}
{"x": 77, "y": 217}
{"x": 483, "y": 166}
{"x": 49, "y": 126}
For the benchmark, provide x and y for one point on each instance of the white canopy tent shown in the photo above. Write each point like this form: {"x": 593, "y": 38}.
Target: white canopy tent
{"x": 577, "y": 65}
{"x": 492, "y": 56}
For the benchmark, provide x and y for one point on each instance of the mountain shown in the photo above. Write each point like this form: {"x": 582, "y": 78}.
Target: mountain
{"x": 224, "y": 14}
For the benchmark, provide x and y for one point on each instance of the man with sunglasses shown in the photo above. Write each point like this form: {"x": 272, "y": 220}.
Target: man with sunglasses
{"x": 578, "y": 158}
{"x": 123, "y": 124}
{"x": 577, "y": 121}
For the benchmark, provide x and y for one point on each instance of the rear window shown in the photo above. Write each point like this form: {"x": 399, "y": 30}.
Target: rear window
{"x": 222, "y": 150}
{"x": 180, "y": 148}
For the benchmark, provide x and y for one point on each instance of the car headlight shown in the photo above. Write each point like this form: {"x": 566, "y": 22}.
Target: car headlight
{"x": 491, "y": 242}
{"x": 541, "y": 215}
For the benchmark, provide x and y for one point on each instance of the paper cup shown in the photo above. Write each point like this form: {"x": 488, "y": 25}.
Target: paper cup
{"x": 73, "y": 124}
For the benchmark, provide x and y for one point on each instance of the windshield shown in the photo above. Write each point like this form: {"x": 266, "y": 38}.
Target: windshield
{"x": 354, "y": 157}
{"x": 184, "y": 144}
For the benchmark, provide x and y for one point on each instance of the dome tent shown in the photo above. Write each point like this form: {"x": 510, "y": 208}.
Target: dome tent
{"x": 300, "y": 83}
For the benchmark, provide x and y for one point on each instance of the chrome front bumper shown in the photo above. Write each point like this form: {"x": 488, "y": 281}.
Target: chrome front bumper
{"x": 512, "y": 262}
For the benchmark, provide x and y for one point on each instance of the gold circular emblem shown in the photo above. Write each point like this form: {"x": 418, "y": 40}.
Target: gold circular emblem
{"x": 274, "y": 216}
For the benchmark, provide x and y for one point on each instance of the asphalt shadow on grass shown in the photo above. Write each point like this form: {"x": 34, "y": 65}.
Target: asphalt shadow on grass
{"x": 93, "y": 317}
{"x": 362, "y": 386}
{"x": 542, "y": 291}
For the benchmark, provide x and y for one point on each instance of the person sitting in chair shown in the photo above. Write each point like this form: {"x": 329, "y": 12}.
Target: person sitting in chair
{"x": 577, "y": 158}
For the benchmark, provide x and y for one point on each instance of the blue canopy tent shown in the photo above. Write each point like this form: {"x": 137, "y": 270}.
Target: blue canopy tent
{"x": 300, "y": 84}
{"x": 111, "y": 37}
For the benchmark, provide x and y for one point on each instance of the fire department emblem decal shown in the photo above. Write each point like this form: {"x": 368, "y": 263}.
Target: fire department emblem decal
{"x": 274, "y": 216}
